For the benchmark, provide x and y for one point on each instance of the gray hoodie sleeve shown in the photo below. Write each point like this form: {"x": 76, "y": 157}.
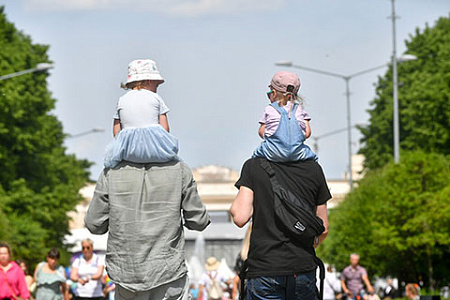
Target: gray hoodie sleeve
{"x": 194, "y": 212}
{"x": 97, "y": 216}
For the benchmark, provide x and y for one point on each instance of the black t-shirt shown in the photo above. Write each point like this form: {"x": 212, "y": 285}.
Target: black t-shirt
{"x": 271, "y": 253}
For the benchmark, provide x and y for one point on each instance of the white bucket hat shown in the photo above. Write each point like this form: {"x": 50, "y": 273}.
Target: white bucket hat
{"x": 143, "y": 69}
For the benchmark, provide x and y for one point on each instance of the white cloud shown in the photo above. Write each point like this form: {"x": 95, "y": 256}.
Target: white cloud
{"x": 180, "y": 8}
{"x": 65, "y": 5}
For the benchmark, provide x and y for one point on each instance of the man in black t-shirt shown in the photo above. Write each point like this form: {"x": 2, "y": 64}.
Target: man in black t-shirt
{"x": 279, "y": 268}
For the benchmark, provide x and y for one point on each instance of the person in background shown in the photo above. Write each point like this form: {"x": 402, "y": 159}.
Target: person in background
{"x": 353, "y": 279}
{"x": 210, "y": 284}
{"x": 331, "y": 286}
{"x": 31, "y": 284}
{"x": 50, "y": 278}
{"x": 390, "y": 291}
{"x": 12, "y": 278}
{"x": 411, "y": 292}
{"x": 87, "y": 271}
{"x": 240, "y": 264}
{"x": 109, "y": 289}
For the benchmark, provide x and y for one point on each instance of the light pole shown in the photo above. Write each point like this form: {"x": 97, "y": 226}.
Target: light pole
{"x": 39, "y": 67}
{"x": 93, "y": 130}
{"x": 396, "y": 121}
{"x": 346, "y": 78}
{"x": 316, "y": 138}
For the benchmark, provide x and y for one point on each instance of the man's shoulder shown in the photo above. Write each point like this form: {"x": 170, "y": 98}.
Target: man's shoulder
{"x": 127, "y": 165}
{"x": 346, "y": 269}
{"x": 361, "y": 269}
{"x": 288, "y": 166}
{"x": 299, "y": 166}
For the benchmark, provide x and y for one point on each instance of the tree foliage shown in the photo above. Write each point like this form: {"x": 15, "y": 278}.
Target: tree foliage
{"x": 39, "y": 182}
{"x": 398, "y": 220}
{"x": 424, "y": 100}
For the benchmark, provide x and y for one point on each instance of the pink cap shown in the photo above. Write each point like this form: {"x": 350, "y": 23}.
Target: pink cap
{"x": 282, "y": 79}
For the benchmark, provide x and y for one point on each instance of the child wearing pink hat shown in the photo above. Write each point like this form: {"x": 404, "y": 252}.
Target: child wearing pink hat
{"x": 284, "y": 125}
{"x": 141, "y": 127}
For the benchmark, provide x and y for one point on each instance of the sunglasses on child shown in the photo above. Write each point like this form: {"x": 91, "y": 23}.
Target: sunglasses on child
{"x": 268, "y": 94}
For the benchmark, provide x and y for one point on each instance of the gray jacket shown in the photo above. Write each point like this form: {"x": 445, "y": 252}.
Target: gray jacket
{"x": 144, "y": 207}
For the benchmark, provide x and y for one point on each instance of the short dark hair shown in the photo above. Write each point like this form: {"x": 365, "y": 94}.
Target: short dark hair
{"x": 5, "y": 245}
{"x": 54, "y": 253}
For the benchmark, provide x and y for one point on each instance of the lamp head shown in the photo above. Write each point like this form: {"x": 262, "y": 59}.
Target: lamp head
{"x": 407, "y": 57}
{"x": 43, "y": 66}
{"x": 284, "y": 63}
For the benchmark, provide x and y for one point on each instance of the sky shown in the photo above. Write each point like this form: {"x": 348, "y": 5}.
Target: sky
{"x": 217, "y": 57}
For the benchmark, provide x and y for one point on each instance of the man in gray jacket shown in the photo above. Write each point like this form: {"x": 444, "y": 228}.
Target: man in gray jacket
{"x": 144, "y": 207}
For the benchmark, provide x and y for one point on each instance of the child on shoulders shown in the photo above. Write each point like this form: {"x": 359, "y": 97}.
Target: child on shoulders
{"x": 284, "y": 125}
{"x": 141, "y": 127}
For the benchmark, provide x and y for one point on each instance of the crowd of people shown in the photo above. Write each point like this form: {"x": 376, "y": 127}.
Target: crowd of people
{"x": 351, "y": 284}
{"x": 86, "y": 278}
{"x": 354, "y": 284}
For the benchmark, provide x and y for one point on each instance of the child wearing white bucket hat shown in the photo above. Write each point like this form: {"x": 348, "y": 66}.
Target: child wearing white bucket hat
{"x": 284, "y": 125}
{"x": 141, "y": 127}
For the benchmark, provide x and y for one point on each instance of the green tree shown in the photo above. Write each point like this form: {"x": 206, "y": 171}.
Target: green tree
{"x": 39, "y": 182}
{"x": 397, "y": 219}
{"x": 424, "y": 100}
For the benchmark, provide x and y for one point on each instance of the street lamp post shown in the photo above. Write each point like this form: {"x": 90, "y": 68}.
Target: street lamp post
{"x": 93, "y": 130}
{"x": 395, "y": 90}
{"x": 346, "y": 78}
{"x": 39, "y": 67}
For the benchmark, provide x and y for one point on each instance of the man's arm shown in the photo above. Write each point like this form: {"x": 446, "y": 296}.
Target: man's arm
{"x": 365, "y": 278}
{"x": 194, "y": 212}
{"x": 97, "y": 216}
{"x": 345, "y": 289}
{"x": 242, "y": 208}
{"x": 322, "y": 213}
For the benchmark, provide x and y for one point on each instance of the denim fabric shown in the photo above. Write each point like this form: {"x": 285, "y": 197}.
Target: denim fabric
{"x": 286, "y": 144}
{"x": 299, "y": 286}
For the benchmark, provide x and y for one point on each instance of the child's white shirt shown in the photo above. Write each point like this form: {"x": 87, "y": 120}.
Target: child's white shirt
{"x": 140, "y": 108}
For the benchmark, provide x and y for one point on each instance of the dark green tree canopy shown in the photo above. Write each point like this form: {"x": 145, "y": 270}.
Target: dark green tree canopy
{"x": 424, "y": 100}
{"x": 39, "y": 182}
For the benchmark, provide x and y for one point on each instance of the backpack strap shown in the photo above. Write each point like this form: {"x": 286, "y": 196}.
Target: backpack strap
{"x": 276, "y": 185}
{"x": 266, "y": 166}
{"x": 321, "y": 274}
{"x": 278, "y": 108}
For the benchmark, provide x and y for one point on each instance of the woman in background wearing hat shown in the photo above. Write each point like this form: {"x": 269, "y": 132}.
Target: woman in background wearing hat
{"x": 284, "y": 125}
{"x": 210, "y": 284}
{"x": 141, "y": 127}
